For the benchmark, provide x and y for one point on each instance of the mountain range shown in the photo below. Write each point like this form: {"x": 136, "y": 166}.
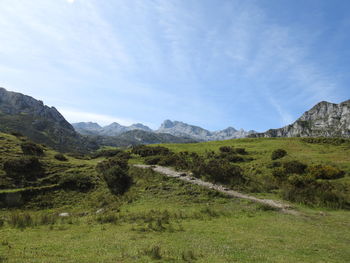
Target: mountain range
{"x": 175, "y": 128}
{"x": 43, "y": 124}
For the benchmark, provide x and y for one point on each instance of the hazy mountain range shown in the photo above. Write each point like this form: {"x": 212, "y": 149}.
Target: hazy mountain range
{"x": 175, "y": 128}
{"x": 23, "y": 114}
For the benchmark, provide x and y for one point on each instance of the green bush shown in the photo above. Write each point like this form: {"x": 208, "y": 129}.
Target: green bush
{"x": 220, "y": 171}
{"x": 115, "y": 173}
{"x": 111, "y": 153}
{"x": 78, "y": 182}
{"x": 307, "y": 190}
{"x": 117, "y": 180}
{"x": 226, "y": 149}
{"x": 274, "y": 165}
{"x": 294, "y": 167}
{"x": 231, "y": 157}
{"x": 30, "y": 148}
{"x": 24, "y": 170}
{"x": 111, "y": 162}
{"x": 325, "y": 172}
{"x": 241, "y": 151}
{"x": 152, "y": 160}
{"x": 61, "y": 157}
{"x": 145, "y": 151}
{"x": 278, "y": 154}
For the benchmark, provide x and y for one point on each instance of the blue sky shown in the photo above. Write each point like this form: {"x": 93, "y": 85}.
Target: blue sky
{"x": 213, "y": 63}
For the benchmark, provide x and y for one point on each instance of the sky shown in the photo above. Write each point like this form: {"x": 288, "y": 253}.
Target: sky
{"x": 213, "y": 63}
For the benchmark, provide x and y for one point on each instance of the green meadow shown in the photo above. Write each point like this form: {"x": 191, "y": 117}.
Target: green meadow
{"x": 161, "y": 219}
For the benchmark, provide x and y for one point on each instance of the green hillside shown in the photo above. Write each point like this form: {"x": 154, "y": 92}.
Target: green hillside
{"x": 161, "y": 219}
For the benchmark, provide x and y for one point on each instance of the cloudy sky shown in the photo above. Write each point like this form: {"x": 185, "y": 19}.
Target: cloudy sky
{"x": 213, "y": 63}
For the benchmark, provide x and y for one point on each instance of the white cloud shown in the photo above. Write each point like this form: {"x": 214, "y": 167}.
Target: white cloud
{"x": 71, "y": 1}
{"x": 73, "y": 116}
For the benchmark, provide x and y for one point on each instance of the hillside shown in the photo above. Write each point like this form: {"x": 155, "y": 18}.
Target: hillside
{"x": 324, "y": 119}
{"x": 163, "y": 219}
{"x": 23, "y": 114}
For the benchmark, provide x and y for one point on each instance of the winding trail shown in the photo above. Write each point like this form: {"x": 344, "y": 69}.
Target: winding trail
{"x": 186, "y": 176}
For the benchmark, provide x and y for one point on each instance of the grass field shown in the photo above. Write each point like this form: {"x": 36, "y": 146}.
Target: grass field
{"x": 164, "y": 220}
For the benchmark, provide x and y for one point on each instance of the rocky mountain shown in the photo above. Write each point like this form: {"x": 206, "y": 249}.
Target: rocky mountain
{"x": 178, "y": 128}
{"x": 87, "y": 128}
{"x": 42, "y": 124}
{"x": 325, "y": 119}
{"x": 136, "y": 137}
{"x": 114, "y": 129}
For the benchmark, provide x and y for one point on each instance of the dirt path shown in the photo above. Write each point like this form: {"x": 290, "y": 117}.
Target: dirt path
{"x": 285, "y": 208}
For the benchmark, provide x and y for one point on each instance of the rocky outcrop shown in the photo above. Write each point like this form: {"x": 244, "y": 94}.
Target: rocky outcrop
{"x": 178, "y": 128}
{"x": 324, "y": 120}
{"x": 42, "y": 124}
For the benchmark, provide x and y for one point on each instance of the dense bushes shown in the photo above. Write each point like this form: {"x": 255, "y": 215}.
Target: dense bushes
{"x": 278, "y": 154}
{"x": 24, "y": 170}
{"x": 61, "y": 157}
{"x": 294, "y": 167}
{"x": 30, "y": 148}
{"x": 219, "y": 171}
{"x": 77, "y": 181}
{"x": 326, "y": 140}
{"x": 325, "y": 172}
{"x": 115, "y": 173}
{"x": 307, "y": 190}
{"x": 145, "y": 151}
{"x": 311, "y": 185}
{"x": 111, "y": 153}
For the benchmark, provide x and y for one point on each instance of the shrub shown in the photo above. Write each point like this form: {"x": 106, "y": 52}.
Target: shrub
{"x": 30, "y": 148}
{"x": 115, "y": 173}
{"x": 231, "y": 157}
{"x": 226, "y": 149}
{"x": 307, "y": 190}
{"x": 80, "y": 182}
{"x": 294, "y": 167}
{"x": 152, "y": 160}
{"x": 61, "y": 157}
{"x": 117, "y": 179}
{"x": 111, "y": 162}
{"x": 145, "y": 151}
{"x": 221, "y": 171}
{"x": 278, "y": 154}
{"x": 241, "y": 151}
{"x": 326, "y": 172}
{"x": 279, "y": 173}
{"x": 24, "y": 170}
{"x": 274, "y": 165}
{"x": 108, "y": 153}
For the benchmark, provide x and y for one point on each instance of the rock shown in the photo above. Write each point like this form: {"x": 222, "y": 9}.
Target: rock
{"x": 64, "y": 214}
{"x": 324, "y": 120}
{"x": 99, "y": 211}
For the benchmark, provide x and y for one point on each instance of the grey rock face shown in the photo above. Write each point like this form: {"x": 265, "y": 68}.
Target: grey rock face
{"x": 87, "y": 128}
{"x": 178, "y": 128}
{"x": 324, "y": 120}
{"x": 40, "y": 123}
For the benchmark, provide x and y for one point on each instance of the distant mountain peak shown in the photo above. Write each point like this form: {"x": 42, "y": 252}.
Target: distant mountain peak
{"x": 178, "y": 128}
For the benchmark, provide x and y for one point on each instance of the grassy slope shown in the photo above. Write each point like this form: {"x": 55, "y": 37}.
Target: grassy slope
{"x": 211, "y": 227}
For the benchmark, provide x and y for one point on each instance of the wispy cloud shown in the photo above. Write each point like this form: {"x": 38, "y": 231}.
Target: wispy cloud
{"x": 73, "y": 115}
{"x": 206, "y": 62}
